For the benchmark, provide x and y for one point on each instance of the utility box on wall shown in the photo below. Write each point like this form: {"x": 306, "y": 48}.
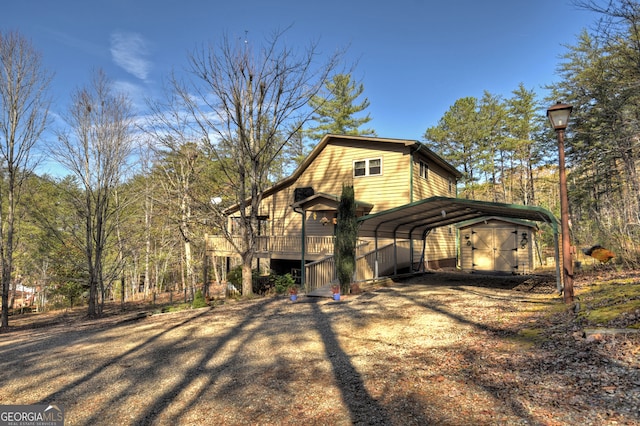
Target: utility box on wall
{"x": 497, "y": 245}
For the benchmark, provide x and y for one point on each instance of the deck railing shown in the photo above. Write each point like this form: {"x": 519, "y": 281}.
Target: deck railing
{"x": 323, "y": 272}
{"x": 366, "y": 264}
{"x": 320, "y": 273}
{"x": 288, "y": 244}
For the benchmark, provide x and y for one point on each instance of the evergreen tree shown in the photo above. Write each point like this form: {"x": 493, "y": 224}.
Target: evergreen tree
{"x": 492, "y": 116}
{"x": 600, "y": 78}
{"x": 523, "y": 126}
{"x": 457, "y": 139}
{"x": 335, "y": 110}
{"x": 346, "y": 237}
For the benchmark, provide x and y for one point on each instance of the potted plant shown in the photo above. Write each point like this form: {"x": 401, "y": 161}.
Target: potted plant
{"x": 335, "y": 289}
{"x": 293, "y": 292}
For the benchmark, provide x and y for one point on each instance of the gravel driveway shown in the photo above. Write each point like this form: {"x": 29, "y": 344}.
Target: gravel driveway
{"x": 433, "y": 350}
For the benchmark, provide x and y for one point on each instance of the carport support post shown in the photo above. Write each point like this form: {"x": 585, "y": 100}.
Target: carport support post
{"x": 395, "y": 254}
{"x": 375, "y": 263}
{"x": 303, "y": 268}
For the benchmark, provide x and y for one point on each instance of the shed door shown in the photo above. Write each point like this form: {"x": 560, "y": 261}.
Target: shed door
{"x": 493, "y": 249}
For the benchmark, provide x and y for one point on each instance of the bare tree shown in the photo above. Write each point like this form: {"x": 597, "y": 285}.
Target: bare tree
{"x": 96, "y": 151}
{"x": 247, "y": 106}
{"x": 24, "y": 107}
{"x": 179, "y": 167}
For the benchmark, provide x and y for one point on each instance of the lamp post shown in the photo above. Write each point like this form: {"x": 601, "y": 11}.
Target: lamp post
{"x": 558, "y": 115}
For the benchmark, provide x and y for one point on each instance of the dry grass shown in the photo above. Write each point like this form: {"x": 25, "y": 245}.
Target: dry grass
{"x": 439, "y": 349}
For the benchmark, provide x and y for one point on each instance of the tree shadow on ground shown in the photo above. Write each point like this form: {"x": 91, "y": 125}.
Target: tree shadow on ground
{"x": 363, "y": 408}
{"x": 214, "y": 364}
{"x": 86, "y": 377}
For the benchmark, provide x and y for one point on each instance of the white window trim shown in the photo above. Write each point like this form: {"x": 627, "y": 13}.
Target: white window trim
{"x": 423, "y": 165}
{"x": 367, "y": 167}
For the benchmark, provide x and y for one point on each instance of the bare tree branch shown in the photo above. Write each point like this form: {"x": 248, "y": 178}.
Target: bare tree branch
{"x": 24, "y": 108}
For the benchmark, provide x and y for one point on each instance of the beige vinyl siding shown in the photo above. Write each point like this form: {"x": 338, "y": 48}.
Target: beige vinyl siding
{"x": 315, "y": 224}
{"x": 441, "y": 243}
{"x": 333, "y": 168}
{"x": 437, "y": 183}
{"x": 284, "y": 221}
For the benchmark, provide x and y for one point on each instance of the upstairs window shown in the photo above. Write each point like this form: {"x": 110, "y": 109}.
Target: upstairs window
{"x": 424, "y": 170}
{"x": 368, "y": 167}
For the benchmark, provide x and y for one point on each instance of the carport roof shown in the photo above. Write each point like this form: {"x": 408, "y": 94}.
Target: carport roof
{"x": 412, "y": 220}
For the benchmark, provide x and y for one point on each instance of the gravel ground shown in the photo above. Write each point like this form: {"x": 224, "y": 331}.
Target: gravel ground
{"x": 446, "y": 349}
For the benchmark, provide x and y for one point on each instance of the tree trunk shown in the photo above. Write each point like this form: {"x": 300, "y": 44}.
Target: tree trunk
{"x": 247, "y": 279}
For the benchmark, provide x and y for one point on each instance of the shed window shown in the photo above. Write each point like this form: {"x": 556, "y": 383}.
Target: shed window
{"x": 368, "y": 167}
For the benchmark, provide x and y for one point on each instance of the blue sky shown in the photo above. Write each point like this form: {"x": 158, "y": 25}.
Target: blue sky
{"x": 414, "y": 57}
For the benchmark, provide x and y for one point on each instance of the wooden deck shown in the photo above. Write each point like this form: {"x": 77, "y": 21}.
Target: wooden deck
{"x": 281, "y": 247}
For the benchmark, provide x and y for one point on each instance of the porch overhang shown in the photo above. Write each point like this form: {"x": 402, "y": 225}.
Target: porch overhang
{"x": 322, "y": 201}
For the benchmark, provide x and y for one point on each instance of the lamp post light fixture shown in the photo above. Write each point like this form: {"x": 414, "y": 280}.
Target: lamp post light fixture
{"x": 558, "y": 115}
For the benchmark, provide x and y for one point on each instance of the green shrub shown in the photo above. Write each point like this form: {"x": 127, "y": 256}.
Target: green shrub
{"x": 283, "y": 283}
{"x": 198, "y": 300}
{"x": 234, "y": 276}
{"x": 262, "y": 284}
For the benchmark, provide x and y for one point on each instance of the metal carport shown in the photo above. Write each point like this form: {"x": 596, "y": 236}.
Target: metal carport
{"x": 415, "y": 220}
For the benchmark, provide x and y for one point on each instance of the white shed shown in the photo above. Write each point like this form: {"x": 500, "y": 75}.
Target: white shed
{"x": 496, "y": 244}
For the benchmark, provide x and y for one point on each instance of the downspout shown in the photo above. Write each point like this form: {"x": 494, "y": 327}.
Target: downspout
{"x": 411, "y": 177}
{"x": 303, "y": 268}
{"x": 420, "y": 146}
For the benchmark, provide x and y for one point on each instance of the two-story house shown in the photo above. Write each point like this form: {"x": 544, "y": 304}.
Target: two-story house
{"x": 299, "y": 212}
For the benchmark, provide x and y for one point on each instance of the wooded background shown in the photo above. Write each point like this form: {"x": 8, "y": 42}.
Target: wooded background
{"x": 140, "y": 194}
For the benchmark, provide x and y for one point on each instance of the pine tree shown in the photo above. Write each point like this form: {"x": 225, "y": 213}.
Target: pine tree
{"x": 457, "y": 138}
{"x": 523, "y": 126}
{"x": 335, "y": 111}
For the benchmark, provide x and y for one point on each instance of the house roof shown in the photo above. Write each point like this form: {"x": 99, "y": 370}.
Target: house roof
{"x": 415, "y": 219}
{"x": 417, "y": 147}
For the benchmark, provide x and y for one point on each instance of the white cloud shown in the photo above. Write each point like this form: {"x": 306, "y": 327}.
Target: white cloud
{"x": 136, "y": 93}
{"x": 129, "y": 51}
